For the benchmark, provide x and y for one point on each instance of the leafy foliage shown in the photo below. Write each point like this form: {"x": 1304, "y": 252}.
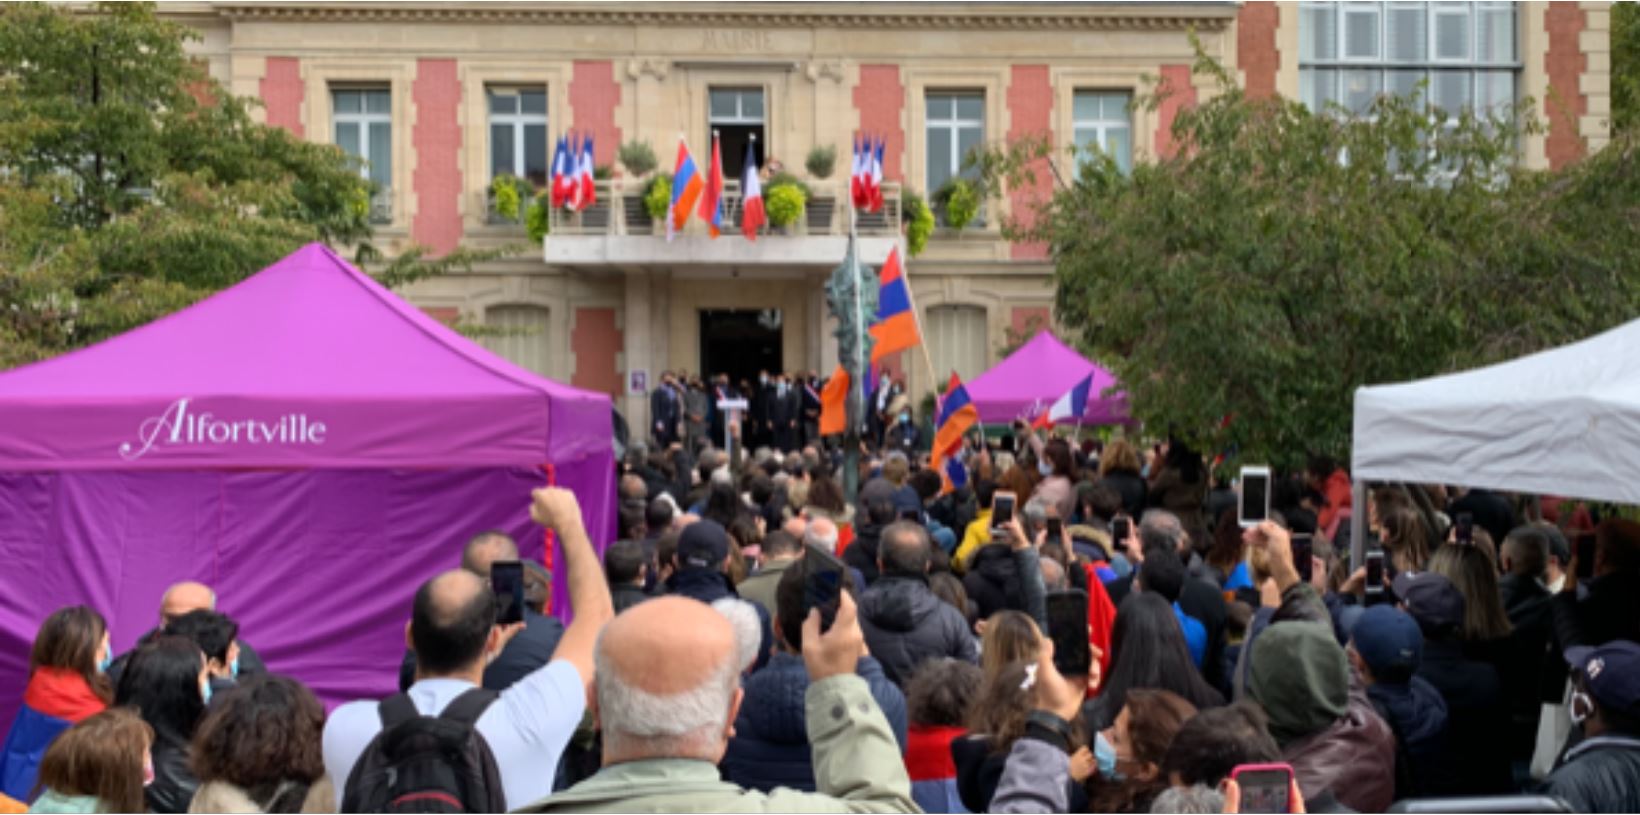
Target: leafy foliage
{"x": 1625, "y": 40}
{"x": 132, "y": 185}
{"x": 1281, "y": 259}
{"x": 785, "y": 204}
{"x": 959, "y": 200}
{"x": 504, "y": 192}
{"x": 638, "y": 157}
{"x": 821, "y": 161}
{"x": 657, "y": 198}
{"x": 537, "y": 221}
{"x": 919, "y": 222}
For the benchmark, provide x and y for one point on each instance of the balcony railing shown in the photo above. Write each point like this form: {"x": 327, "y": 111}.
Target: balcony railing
{"x": 619, "y": 210}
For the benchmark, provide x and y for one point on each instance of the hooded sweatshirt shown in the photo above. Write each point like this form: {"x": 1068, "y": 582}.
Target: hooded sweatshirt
{"x": 905, "y": 623}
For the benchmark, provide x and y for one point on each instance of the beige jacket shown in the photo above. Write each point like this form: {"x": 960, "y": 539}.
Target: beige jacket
{"x": 220, "y": 796}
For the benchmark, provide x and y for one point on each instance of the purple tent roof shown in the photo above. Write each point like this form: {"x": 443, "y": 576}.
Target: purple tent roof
{"x": 1036, "y": 375}
{"x": 307, "y": 364}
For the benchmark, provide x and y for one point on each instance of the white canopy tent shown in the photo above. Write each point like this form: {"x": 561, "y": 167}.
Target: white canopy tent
{"x": 1565, "y": 421}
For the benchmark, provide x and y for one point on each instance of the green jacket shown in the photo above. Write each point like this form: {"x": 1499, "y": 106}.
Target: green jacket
{"x": 857, "y": 767}
{"x": 762, "y": 587}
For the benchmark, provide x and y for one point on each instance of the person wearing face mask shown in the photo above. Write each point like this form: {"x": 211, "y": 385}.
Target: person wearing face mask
{"x": 215, "y": 634}
{"x": 904, "y": 435}
{"x": 166, "y": 681}
{"x": 1601, "y": 773}
{"x": 67, "y": 684}
{"x": 98, "y": 765}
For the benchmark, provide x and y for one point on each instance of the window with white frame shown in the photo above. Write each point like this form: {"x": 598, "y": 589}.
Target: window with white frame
{"x": 736, "y": 114}
{"x": 1101, "y": 120}
{"x": 363, "y": 122}
{"x": 956, "y": 125}
{"x": 957, "y": 338}
{"x": 1351, "y": 52}
{"x": 518, "y": 133}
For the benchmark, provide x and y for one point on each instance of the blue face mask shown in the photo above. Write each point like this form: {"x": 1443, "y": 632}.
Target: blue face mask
{"x": 1044, "y": 467}
{"x": 106, "y": 662}
{"x": 233, "y": 668}
{"x": 1104, "y": 756}
{"x": 205, "y": 692}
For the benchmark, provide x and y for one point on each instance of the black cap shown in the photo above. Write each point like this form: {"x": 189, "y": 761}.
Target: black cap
{"x": 703, "y": 545}
{"x": 1611, "y": 672}
{"x": 1431, "y": 599}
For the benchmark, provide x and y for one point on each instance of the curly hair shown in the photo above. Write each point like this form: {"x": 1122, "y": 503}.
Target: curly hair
{"x": 1003, "y": 705}
{"x": 941, "y": 691}
{"x": 266, "y": 731}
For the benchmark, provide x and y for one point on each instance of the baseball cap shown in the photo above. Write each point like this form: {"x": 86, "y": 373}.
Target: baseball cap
{"x": 1431, "y": 599}
{"x": 703, "y": 545}
{"x": 1611, "y": 672}
{"x": 1389, "y": 641}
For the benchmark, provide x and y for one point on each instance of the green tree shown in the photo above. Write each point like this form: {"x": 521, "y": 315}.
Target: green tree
{"x": 1283, "y": 258}
{"x": 1625, "y": 66}
{"x": 132, "y": 184}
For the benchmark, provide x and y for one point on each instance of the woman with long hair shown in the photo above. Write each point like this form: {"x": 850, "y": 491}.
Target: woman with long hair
{"x": 1474, "y": 572}
{"x": 1147, "y": 651}
{"x": 1010, "y": 636}
{"x": 259, "y": 750}
{"x": 1181, "y": 488}
{"x": 98, "y": 765}
{"x": 1119, "y": 467}
{"x": 66, "y": 685}
{"x": 825, "y": 500}
{"x": 166, "y": 682}
{"x": 1140, "y": 736}
{"x": 1057, "y": 468}
{"x": 1405, "y": 537}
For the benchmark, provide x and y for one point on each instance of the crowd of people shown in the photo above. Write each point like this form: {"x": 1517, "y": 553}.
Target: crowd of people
{"x": 782, "y": 412}
{"x": 698, "y": 674}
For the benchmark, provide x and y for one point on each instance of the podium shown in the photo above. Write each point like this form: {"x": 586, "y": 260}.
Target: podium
{"x": 735, "y": 408}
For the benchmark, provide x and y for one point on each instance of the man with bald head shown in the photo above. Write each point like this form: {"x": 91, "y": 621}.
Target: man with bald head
{"x": 524, "y": 653}
{"x": 904, "y": 621}
{"x": 453, "y": 633}
{"x": 666, "y": 699}
{"x": 175, "y": 603}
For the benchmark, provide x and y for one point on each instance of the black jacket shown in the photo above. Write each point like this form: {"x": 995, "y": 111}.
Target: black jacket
{"x": 665, "y": 410}
{"x": 862, "y": 553}
{"x": 1416, "y": 714}
{"x": 1491, "y": 512}
{"x": 904, "y": 624}
{"x": 1610, "y": 611}
{"x": 526, "y": 651}
{"x": 174, "y": 783}
{"x": 250, "y": 662}
{"x": 993, "y": 581}
{"x": 1477, "y": 717}
{"x": 626, "y": 596}
{"x": 1132, "y": 488}
{"x": 1532, "y": 673}
{"x": 1602, "y": 774}
{"x": 709, "y": 586}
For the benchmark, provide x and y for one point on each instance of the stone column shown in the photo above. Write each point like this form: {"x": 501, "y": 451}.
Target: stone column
{"x": 639, "y": 332}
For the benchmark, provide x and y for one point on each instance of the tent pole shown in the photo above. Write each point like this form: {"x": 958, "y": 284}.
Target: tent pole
{"x": 1358, "y": 524}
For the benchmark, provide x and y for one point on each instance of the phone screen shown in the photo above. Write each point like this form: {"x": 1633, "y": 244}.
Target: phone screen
{"x": 1056, "y": 527}
{"x": 1120, "y": 529}
{"x": 1302, "y": 551}
{"x": 507, "y": 581}
{"x": 1464, "y": 528}
{"x": 1264, "y": 789}
{"x": 1585, "y": 556}
{"x": 1068, "y": 626}
{"x": 823, "y": 576}
{"x": 1255, "y": 495}
{"x": 1002, "y": 509}
{"x": 1375, "y": 572}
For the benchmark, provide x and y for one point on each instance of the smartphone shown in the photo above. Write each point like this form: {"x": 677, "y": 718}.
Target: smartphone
{"x": 1056, "y": 528}
{"x": 1068, "y": 626}
{"x": 823, "y": 576}
{"x": 507, "y": 581}
{"x": 1302, "y": 551}
{"x": 1264, "y": 787}
{"x": 1375, "y": 573}
{"x": 1255, "y": 496}
{"x": 1002, "y": 509}
{"x": 1120, "y": 529}
{"x": 1584, "y": 555}
{"x": 1464, "y": 528}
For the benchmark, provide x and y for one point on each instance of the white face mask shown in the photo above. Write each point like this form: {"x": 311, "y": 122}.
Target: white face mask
{"x": 1581, "y": 707}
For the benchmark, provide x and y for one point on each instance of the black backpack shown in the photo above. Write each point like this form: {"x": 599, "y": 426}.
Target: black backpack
{"x": 427, "y": 763}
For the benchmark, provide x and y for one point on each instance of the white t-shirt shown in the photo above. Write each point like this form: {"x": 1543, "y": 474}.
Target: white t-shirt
{"x": 526, "y": 728}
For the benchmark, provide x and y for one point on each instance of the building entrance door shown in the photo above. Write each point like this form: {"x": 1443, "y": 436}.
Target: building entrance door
{"x": 740, "y": 342}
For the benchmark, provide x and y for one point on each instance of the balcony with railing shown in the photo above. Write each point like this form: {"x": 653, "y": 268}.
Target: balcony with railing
{"x": 618, "y": 228}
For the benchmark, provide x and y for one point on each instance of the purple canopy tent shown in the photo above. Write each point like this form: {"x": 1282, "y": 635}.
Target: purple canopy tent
{"x": 306, "y": 443}
{"x": 1035, "y": 376}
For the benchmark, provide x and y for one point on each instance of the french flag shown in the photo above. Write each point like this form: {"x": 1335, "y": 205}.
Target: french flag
{"x": 560, "y": 173}
{"x": 1069, "y": 408}
{"x": 584, "y": 194}
{"x": 859, "y": 173}
{"x": 874, "y": 183}
{"x": 752, "y": 216}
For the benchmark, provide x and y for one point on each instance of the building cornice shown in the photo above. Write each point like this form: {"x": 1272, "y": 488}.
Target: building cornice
{"x": 945, "y": 16}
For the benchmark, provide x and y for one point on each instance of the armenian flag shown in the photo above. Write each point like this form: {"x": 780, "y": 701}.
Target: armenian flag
{"x": 957, "y": 415}
{"x": 895, "y": 328}
{"x": 834, "y": 404}
{"x": 711, "y": 204}
{"x": 686, "y": 188}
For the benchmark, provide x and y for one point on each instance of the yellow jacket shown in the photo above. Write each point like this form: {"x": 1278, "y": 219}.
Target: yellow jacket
{"x": 976, "y": 535}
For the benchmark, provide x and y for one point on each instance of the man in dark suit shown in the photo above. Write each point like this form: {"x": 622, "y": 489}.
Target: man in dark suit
{"x": 785, "y": 407}
{"x": 530, "y": 648}
{"x": 762, "y": 398}
{"x": 811, "y": 410}
{"x": 665, "y": 411}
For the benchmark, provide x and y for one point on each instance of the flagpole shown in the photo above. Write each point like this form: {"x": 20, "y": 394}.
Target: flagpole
{"x": 922, "y": 339}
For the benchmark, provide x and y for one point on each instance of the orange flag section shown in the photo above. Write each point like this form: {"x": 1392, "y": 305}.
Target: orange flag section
{"x": 834, "y": 404}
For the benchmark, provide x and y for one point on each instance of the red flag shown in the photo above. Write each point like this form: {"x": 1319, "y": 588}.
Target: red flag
{"x": 751, "y": 197}
{"x": 834, "y": 404}
{"x": 711, "y": 203}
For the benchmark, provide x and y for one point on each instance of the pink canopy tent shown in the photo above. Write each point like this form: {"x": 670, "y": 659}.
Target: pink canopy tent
{"x": 1036, "y": 375}
{"x": 306, "y": 443}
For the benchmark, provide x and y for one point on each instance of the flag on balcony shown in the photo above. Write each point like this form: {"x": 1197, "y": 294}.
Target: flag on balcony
{"x": 834, "y": 404}
{"x": 857, "y": 176}
{"x": 686, "y": 186}
{"x": 1068, "y": 408}
{"x": 711, "y": 203}
{"x": 584, "y": 194}
{"x": 895, "y": 329}
{"x": 875, "y": 185}
{"x": 751, "y": 196}
{"x": 560, "y": 173}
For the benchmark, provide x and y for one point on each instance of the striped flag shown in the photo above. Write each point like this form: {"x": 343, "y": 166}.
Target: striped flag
{"x": 751, "y": 197}
{"x": 686, "y": 188}
{"x": 711, "y": 203}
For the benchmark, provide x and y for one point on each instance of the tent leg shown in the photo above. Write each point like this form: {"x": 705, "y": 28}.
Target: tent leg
{"x": 1358, "y": 524}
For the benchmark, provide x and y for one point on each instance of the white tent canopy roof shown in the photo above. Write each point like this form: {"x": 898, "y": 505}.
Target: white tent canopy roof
{"x": 1560, "y": 422}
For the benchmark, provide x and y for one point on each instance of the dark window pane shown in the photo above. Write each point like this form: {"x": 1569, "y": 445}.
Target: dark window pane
{"x": 501, "y": 149}
{"x": 971, "y": 106}
{"x": 378, "y": 102}
{"x": 347, "y": 138}
{"x": 533, "y": 101}
{"x": 535, "y": 153}
{"x": 503, "y": 102}
{"x": 940, "y": 106}
{"x": 381, "y": 155}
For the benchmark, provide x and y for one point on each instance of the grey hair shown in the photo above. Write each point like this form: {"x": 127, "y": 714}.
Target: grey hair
{"x": 1196, "y": 799}
{"x": 894, "y": 455}
{"x": 748, "y": 628}
{"x": 722, "y": 476}
{"x": 826, "y": 542}
{"x": 1164, "y": 522}
{"x": 678, "y": 724}
{"x": 1036, "y": 511}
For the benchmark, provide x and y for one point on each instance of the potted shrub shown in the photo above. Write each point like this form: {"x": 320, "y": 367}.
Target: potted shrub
{"x": 821, "y": 161}
{"x": 784, "y": 204}
{"x": 958, "y": 200}
{"x": 537, "y": 221}
{"x": 507, "y": 194}
{"x": 657, "y": 197}
{"x": 919, "y": 222}
{"x": 638, "y": 158}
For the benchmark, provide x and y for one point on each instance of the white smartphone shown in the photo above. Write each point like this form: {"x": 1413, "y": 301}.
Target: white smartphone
{"x": 1254, "y": 507}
